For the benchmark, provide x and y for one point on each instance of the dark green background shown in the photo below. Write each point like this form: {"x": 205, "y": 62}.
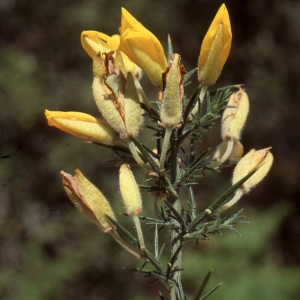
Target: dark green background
{"x": 50, "y": 251}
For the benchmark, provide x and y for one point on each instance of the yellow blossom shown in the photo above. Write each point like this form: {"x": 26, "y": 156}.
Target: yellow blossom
{"x": 82, "y": 125}
{"x": 215, "y": 48}
{"x": 95, "y": 42}
{"x": 142, "y": 47}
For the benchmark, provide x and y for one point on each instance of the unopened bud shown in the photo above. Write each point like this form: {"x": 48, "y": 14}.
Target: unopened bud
{"x": 259, "y": 160}
{"x": 108, "y": 104}
{"x": 130, "y": 191}
{"x": 234, "y": 118}
{"x": 88, "y": 199}
{"x": 215, "y": 48}
{"x": 171, "y": 106}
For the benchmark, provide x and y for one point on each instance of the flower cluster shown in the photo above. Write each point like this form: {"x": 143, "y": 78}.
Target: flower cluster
{"x": 118, "y": 63}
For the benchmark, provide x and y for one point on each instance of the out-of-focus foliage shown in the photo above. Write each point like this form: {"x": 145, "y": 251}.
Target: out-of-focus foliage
{"x": 47, "y": 249}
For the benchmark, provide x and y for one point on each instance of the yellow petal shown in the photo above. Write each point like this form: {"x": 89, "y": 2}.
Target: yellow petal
{"x": 215, "y": 48}
{"x": 82, "y": 125}
{"x": 142, "y": 47}
{"x": 94, "y": 42}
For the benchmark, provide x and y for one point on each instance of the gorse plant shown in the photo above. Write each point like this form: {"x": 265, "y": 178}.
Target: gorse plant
{"x": 171, "y": 164}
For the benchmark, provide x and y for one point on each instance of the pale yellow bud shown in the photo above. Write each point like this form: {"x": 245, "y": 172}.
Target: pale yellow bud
{"x": 171, "y": 106}
{"x": 82, "y": 125}
{"x": 130, "y": 191}
{"x": 255, "y": 159}
{"x": 234, "y": 118}
{"x": 88, "y": 199}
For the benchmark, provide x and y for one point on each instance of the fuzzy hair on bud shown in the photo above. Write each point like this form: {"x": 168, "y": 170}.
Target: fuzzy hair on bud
{"x": 130, "y": 191}
{"x": 171, "y": 106}
{"x": 234, "y": 116}
{"x": 255, "y": 159}
{"x": 88, "y": 199}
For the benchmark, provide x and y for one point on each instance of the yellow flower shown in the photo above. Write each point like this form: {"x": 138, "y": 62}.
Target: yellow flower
{"x": 142, "y": 47}
{"x": 95, "y": 42}
{"x": 82, "y": 125}
{"x": 215, "y": 48}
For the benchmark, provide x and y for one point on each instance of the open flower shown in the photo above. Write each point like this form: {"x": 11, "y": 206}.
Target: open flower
{"x": 215, "y": 48}
{"x": 94, "y": 42}
{"x": 142, "y": 47}
{"x": 82, "y": 125}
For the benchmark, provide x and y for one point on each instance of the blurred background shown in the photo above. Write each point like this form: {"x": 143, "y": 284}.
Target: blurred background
{"x": 48, "y": 250}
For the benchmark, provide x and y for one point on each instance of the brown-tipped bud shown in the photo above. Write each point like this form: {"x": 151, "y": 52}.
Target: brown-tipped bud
{"x": 236, "y": 152}
{"x": 234, "y": 117}
{"x": 88, "y": 199}
{"x": 130, "y": 191}
{"x": 83, "y": 126}
{"x": 255, "y": 159}
{"x": 171, "y": 106}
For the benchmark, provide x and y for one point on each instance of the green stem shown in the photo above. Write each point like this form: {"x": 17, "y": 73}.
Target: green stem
{"x": 165, "y": 146}
{"x": 175, "y": 244}
{"x": 139, "y": 232}
{"x": 176, "y": 241}
{"x": 238, "y": 194}
{"x": 121, "y": 242}
{"x": 225, "y": 155}
{"x": 137, "y": 157}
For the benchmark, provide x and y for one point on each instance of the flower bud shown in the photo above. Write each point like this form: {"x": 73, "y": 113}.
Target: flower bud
{"x": 82, "y": 125}
{"x": 118, "y": 102}
{"x": 88, "y": 199}
{"x": 130, "y": 191}
{"x": 234, "y": 118}
{"x": 255, "y": 159}
{"x": 142, "y": 47}
{"x": 171, "y": 106}
{"x": 215, "y": 48}
{"x": 108, "y": 103}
